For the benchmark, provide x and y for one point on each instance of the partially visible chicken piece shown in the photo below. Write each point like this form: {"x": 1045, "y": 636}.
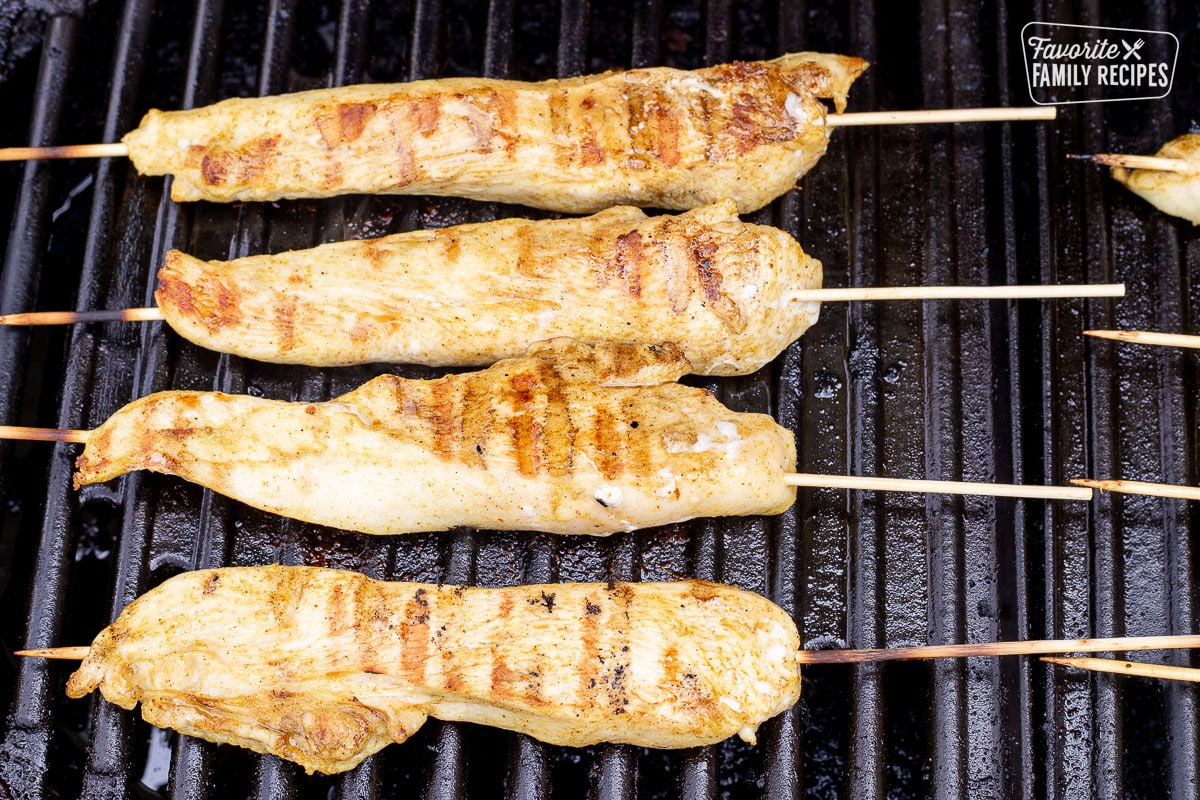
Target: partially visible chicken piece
{"x": 568, "y": 439}
{"x": 324, "y": 667}
{"x": 657, "y": 137}
{"x": 1174, "y": 193}
{"x": 471, "y": 295}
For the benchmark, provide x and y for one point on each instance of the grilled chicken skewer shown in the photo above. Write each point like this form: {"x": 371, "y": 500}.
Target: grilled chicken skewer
{"x": 325, "y": 667}
{"x": 732, "y": 294}
{"x": 1169, "y": 180}
{"x": 656, "y": 137}
{"x": 471, "y": 295}
{"x": 569, "y": 439}
{"x": 881, "y": 655}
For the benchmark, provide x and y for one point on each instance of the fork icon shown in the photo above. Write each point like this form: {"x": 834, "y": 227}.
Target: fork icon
{"x": 1133, "y": 50}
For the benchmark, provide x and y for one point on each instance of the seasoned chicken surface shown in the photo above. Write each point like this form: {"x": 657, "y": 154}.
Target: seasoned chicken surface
{"x": 1173, "y": 193}
{"x": 569, "y": 439}
{"x": 655, "y": 137}
{"x": 324, "y": 667}
{"x": 474, "y": 294}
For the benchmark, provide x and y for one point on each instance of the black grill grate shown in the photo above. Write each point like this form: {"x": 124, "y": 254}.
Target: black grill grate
{"x": 983, "y": 391}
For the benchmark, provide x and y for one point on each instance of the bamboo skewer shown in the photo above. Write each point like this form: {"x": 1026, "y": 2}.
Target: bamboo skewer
{"x": 1119, "y": 667}
{"x": 941, "y": 115}
{"x": 21, "y": 433}
{"x": 807, "y": 480}
{"x": 112, "y": 150}
{"x": 1149, "y": 337}
{"x": 77, "y": 317}
{"x": 1141, "y": 487}
{"x": 1177, "y": 165}
{"x": 1036, "y": 647}
{"x": 1026, "y": 648}
{"x": 917, "y": 117}
{"x": 1144, "y": 487}
{"x": 59, "y": 653}
{"x": 1018, "y": 292}
{"x": 832, "y": 295}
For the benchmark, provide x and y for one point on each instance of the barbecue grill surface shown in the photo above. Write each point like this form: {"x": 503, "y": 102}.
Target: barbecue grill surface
{"x": 973, "y": 390}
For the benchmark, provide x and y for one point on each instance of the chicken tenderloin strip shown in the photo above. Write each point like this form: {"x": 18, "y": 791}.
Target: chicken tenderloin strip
{"x": 1172, "y": 193}
{"x": 719, "y": 287}
{"x": 568, "y": 439}
{"x": 655, "y": 137}
{"x": 325, "y": 667}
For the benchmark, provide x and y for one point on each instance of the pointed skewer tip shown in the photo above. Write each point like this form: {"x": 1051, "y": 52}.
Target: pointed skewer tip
{"x": 1186, "y": 340}
{"x": 1121, "y": 667}
{"x": 1014, "y": 648}
{"x": 61, "y": 653}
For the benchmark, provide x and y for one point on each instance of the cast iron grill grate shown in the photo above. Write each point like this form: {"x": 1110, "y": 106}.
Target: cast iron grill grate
{"x": 968, "y": 391}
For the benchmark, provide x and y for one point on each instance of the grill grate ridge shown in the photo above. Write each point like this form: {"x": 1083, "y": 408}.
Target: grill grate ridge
{"x": 28, "y": 738}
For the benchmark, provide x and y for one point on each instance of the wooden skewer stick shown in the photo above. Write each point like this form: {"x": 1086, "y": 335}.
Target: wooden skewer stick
{"x": 936, "y": 487}
{"x": 73, "y": 317}
{"x": 917, "y": 117}
{"x": 1036, "y": 647}
{"x": 21, "y": 433}
{"x": 792, "y": 479}
{"x": 62, "y": 653}
{"x": 1033, "y": 292}
{"x": 1149, "y": 337}
{"x": 1120, "y": 644}
{"x": 1114, "y": 665}
{"x": 1026, "y": 292}
{"x": 808, "y": 480}
{"x": 1141, "y": 487}
{"x": 1140, "y": 162}
{"x": 942, "y": 115}
{"x": 113, "y": 150}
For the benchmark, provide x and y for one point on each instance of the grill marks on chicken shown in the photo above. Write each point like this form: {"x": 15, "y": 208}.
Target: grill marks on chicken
{"x": 1172, "y": 193}
{"x": 705, "y": 279}
{"x": 324, "y": 667}
{"x": 569, "y": 439}
{"x": 655, "y": 137}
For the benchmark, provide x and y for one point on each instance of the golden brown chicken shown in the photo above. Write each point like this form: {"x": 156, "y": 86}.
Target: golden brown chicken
{"x": 473, "y": 294}
{"x": 568, "y": 439}
{"x": 1173, "y": 193}
{"x": 656, "y": 137}
{"x": 325, "y": 667}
